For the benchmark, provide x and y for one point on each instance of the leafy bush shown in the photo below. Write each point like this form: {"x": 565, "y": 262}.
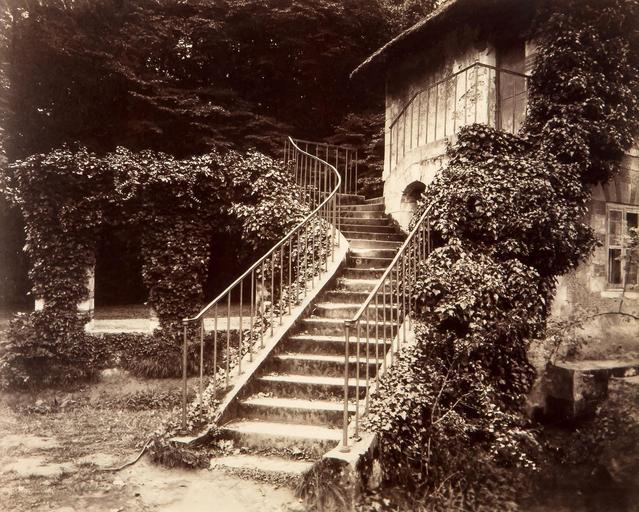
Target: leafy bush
{"x": 47, "y": 349}
{"x": 68, "y": 195}
{"x": 510, "y": 212}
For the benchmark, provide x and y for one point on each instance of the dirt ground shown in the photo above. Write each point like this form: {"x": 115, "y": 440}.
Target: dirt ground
{"x": 54, "y": 448}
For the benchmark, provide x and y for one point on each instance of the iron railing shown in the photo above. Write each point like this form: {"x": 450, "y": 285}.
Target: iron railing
{"x": 375, "y": 328}
{"x": 343, "y": 158}
{"x": 479, "y": 93}
{"x": 281, "y": 278}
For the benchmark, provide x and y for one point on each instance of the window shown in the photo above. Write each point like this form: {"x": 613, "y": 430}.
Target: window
{"x": 622, "y": 260}
{"x": 513, "y": 86}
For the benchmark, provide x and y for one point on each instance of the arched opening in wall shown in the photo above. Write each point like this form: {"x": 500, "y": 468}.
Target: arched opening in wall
{"x": 411, "y": 195}
{"x": 14, "y": 266}
{"x": 119, "y": 290}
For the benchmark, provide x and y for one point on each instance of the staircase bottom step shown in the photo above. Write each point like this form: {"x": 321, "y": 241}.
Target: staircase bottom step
{"x": 264, "y": 465}
{"x": 263, "y": 435}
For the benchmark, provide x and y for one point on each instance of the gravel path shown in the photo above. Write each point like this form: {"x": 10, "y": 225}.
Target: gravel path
{"x": 51, "y": 455}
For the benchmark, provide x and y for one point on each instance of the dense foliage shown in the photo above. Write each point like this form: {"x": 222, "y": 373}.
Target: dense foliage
{"x": 510, "y": 211}
{"x": 184, "y": 77}
{"x": 67, "y": 196}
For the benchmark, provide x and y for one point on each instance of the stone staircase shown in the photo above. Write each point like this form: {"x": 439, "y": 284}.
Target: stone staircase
{"x": 295, "y": 404}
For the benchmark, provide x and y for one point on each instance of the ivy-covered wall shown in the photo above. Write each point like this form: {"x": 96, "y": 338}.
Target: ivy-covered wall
{"x": 69, "y": 195}
{"x": 511, "y": 211}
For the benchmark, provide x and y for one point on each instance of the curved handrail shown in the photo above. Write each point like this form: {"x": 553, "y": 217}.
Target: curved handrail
{"x": 448, "y": 78}
{"x": 430, "y": 116}
{"x": 404, "y": 264}
{"x": 315, "y": 237}
{"x": 283, "y": 241}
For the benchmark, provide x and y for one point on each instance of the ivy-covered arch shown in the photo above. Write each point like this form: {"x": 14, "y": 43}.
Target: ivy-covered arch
{"x": 68, "y": 195}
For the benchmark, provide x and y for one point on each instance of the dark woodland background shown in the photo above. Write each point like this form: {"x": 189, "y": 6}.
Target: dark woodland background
{"x": 182, "y": 78}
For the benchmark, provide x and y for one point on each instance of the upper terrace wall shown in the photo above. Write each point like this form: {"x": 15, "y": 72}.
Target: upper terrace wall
{"x": 428, "y": 101}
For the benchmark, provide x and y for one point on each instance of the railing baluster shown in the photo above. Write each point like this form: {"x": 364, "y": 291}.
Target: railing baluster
{"x": 357, "y": 339}
{"x": 368, "y": 356}
{"x": 281, "y": 282}
{"x": 252, "y": 312}
{"x": 201, "y": 382}
{"x": 384, "y": 323}
{"x": 228, "y": 338}
{"x": 215, "y": 352}
{"x": 272, "y": 290}
{"x": 240, "y": 331}
{"x": 184, "y": 377}
{"x": 262, "y": 307}
{"x": 345, "y": 427}
{"x": 376, "y": 338}
{"x": 290, "y": 272}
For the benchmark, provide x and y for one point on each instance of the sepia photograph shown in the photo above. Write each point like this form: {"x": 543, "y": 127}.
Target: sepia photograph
{"x": 319, "y": 255}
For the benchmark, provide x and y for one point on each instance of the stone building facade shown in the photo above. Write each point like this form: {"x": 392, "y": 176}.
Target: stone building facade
{"x": 468, "y": 63}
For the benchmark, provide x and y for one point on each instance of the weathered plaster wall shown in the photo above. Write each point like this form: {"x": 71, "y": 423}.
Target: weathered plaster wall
{"x": 424, "y": 155}
{"x": 586, "y": 291}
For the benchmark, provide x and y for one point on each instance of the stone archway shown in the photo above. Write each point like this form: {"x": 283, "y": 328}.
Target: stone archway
{"x": 411, "y": 195}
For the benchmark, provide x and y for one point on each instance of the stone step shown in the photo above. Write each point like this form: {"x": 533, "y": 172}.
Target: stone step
{"x": 379, "y": 220}
{"x": 279, "y": 467}
{"x": 334, "y": 326}
{"x": 348, "y": 217}
{"x": 356, "y": 285}
{"x": 346, "y": 311}
{"x": 371, "y": 235}
{"x": 359, "y": 252}
{"x": 345, "y": 296}
{"x": 375, "y": 200}
{"x": 382, "y": 227}
{"x": 265, "y": 435}
{"x": 367, "y": 207}
{"x": 348, "y": 199}
{"x": 356, "y": 263}
{"x": 363, "y": 273}
{"x": 332, "y": 345}
{"x": 315, "y": 387}
{"x": 308, "y": 412}
{"x": 369, "y": 243}
{"x": 327, "y": 365}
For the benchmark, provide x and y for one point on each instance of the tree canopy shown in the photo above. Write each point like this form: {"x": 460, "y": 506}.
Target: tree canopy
{"x": 184, "y": 77}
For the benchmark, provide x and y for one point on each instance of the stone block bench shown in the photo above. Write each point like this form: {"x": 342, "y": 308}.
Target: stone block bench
{"x": 574, "y": 389}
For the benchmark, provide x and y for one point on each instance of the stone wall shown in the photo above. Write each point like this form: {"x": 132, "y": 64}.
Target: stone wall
{"x": 587, "y": 291}
{"x": 469, "y": 98}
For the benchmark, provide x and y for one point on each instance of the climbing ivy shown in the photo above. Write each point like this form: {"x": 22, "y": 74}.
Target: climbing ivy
{"x": 66, "y": 196}
{"x": 510, "y": 210}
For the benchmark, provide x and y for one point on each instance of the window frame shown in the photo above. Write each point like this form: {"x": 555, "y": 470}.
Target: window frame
{"x": 624, "y": 209}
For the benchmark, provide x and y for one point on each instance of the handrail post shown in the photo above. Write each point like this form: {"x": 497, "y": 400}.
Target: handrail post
{"x": 184, "y": 376}
{"x": 345, "y": 448}
{"x": 201, "y": 382}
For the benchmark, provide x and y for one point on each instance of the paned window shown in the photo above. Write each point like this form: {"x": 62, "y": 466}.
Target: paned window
{"x": 622, "y": 258}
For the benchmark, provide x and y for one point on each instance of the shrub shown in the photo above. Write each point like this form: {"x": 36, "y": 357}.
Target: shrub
{"x": 67, "y": 195}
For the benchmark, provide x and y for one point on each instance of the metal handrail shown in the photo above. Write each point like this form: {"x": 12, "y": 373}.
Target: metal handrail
{"x": 442, "y": 128}
{"x": 206, "y": 308}
{"x": 447, "y": 79}
{"x": 415, "y": 248}
{"x": 320, "y": 182}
